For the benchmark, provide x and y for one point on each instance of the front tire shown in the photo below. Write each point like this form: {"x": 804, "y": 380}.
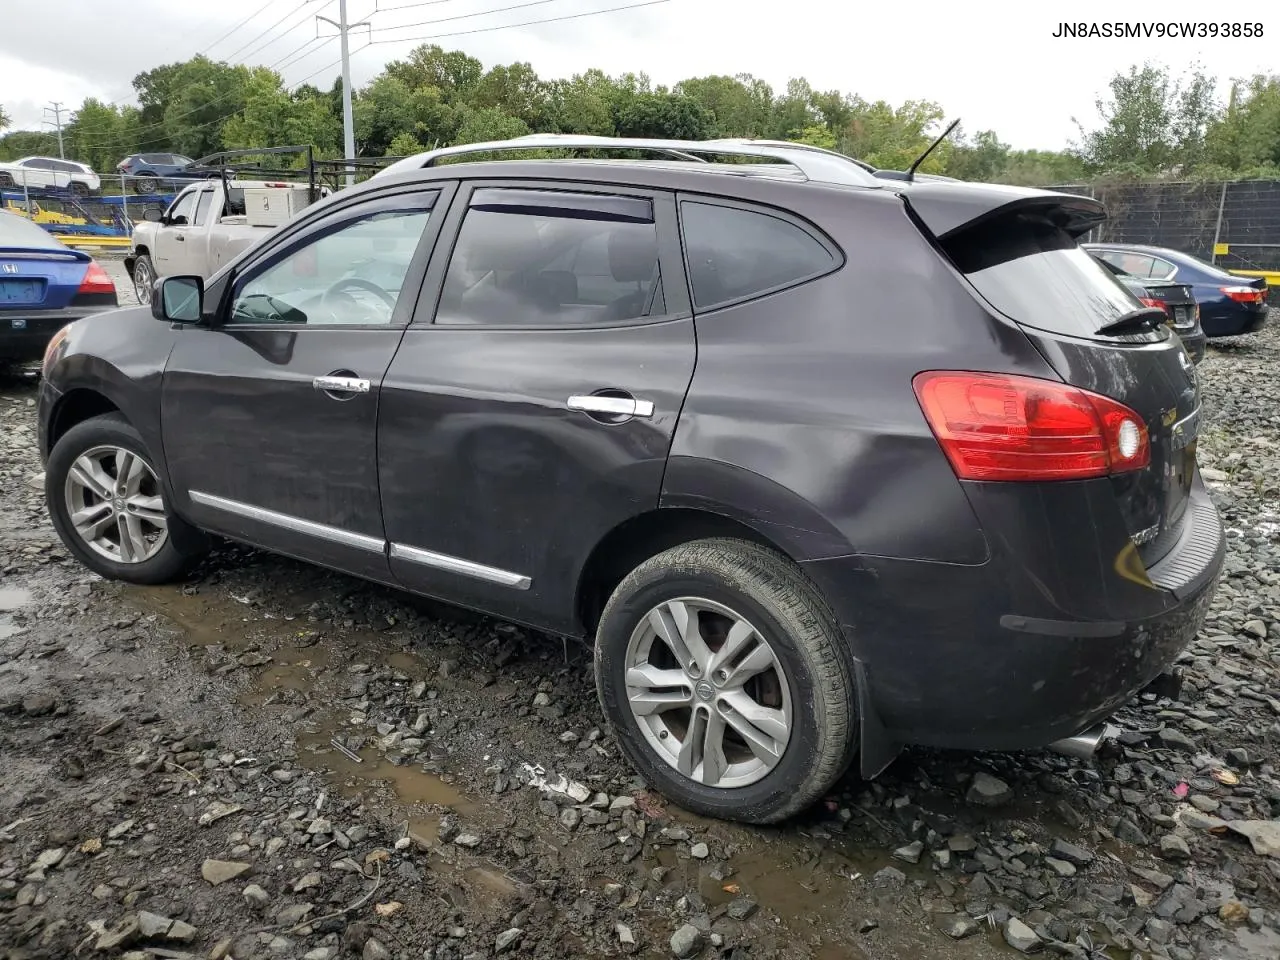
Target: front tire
{"x": 147, "y": 183}
{"x": 727, "y": 681}
{"x": 108, "y": 506}
{"x": 144, "y": 275}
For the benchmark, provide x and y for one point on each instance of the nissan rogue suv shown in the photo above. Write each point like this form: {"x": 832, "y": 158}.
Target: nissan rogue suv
{"x": 819, "y": 464}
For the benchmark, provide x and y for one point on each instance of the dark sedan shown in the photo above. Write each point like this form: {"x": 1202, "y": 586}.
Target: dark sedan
{"x": 1175, "y": 299}
{"x": 1229, "y": 305}
{"x": 43, "y": 287}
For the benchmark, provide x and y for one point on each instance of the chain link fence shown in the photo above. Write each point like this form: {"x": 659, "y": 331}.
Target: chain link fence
{"x": 1235, "y": 225}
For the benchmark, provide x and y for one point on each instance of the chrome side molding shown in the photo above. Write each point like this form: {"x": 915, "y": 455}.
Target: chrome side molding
{"x": 466, "y": 568}
{"x": 284, "y": 521}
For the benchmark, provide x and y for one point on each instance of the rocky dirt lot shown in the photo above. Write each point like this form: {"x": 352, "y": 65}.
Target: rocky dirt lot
{"x": 273, "y": 761}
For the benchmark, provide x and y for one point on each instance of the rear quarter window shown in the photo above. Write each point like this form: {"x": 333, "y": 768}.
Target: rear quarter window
{"x": 735, "y": 253}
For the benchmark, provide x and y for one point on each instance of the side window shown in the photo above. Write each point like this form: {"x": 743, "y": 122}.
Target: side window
{"x": 734, "y": 253}
{"x": 38, "y": 164}
{"x": 202, "y": 207}
{"x": 349, "y": 273}
{"x": 68, "y": 167}
{"x": 1162, "y": 269}
{"x": 184, "y": 206}
{"x": 1135, "y": 264}
{"x": 545, "y": 257}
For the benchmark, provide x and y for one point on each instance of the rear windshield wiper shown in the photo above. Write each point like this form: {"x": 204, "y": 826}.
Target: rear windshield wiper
{"x": 1135, "y": 320}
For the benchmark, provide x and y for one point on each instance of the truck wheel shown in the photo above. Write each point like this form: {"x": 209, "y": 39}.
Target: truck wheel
{"x": 107, "y": 504}
{"x": 144, "y": 275}
{"x": 727, "y": 681}
{"x": 146, "y": 183}
{"x": 79, "y": 189}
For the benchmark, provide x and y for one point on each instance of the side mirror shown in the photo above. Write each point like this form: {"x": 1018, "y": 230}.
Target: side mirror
{"x": 153, "y": 215}
{"x": 177, "y": 299}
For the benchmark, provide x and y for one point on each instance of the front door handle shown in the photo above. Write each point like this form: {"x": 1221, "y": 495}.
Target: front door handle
{"x": 180, "y": 238}
{"x": 624, "y": 406}
{"x": 336, "y": 384}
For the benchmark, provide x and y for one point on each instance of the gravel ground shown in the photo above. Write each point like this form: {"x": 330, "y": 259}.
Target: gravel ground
{"x": 274, "y": 761}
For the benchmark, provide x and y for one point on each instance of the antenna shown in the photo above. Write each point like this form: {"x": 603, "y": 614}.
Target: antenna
{"x": 911, "y": 170}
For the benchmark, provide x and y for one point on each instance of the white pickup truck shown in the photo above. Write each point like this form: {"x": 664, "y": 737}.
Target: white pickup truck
{"x": 207, "y": 225}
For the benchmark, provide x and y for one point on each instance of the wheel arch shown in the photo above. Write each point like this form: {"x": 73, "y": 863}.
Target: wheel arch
{"x": 637, "y": 539}
{"x": 75, "y": 407}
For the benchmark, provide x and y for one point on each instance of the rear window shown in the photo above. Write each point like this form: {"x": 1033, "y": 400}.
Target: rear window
{"x": 1036, "y": 274}
{"x": 16, "y": 231}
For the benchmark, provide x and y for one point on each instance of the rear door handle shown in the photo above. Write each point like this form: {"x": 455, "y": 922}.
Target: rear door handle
{"x": 334, "y": 384}
{"x": 614, "y": 406}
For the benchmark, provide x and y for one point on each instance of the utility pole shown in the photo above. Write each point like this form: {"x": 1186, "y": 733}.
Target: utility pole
{"x": 55, "y": 108}
{"x": 348, "y": 126}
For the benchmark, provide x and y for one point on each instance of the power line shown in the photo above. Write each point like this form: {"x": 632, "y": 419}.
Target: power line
{"x": 407, "y": 6}
{"x": 237, "y": 27}
{"x": 264, "y": 46}
{"x": 464, "y": 16}
{"x": 526, "y": 23}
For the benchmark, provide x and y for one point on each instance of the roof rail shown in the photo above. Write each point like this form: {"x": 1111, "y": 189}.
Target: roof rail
{"x": 813, "y": 163}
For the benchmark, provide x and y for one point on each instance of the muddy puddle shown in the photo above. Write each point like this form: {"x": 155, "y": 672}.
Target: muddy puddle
{"x": 810, "y": 881}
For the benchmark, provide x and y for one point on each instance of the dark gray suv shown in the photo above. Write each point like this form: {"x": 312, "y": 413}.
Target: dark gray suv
{"x": 820, "y": 464}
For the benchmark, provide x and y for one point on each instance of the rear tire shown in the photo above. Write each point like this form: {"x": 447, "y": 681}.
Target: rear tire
{"x": 762, "y": 750}
{"x": 119, "y": 526}
{"x": 79, "y": 189}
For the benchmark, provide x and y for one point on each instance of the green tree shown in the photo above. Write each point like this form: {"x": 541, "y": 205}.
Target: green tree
{"x": 515, "y": 90}
{"x": 893, "y": 137}
{"x": 452, "y": 72}
{"x": 582, "y": 105}
{"x": 1245, "y": 138}
{"x": 404, "y": 145}
{"x": 4, "y": 118}
{"x": 102, "y": 134}
{"x": 1151, "y": 123}
{"x": 202, "y": 96}
{"x": 26, "y": 143}
{"x": 736, "y": 109}
{"x": 488, "y": 123}
{"x": 665, "y": 115}
{"x": 983, "y": 160}
{"x": 816, "y": 135}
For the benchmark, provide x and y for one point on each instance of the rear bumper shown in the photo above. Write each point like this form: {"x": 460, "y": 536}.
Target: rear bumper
{"x": 1033, "y": 646}
{"x": 1237, "y": 322}
{"x": 23, "y": 336}
{"x": 1195, "y": 344}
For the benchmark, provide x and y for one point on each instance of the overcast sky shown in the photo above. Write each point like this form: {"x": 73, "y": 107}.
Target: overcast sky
{"x": 994, "y": 63}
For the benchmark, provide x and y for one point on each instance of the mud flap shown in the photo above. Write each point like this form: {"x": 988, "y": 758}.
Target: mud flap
{"x": 128, "y": 266}
{"x": 877, "y": 749}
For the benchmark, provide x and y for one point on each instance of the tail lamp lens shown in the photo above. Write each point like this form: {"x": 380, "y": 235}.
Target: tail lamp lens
{"x": 1005, "y": 427}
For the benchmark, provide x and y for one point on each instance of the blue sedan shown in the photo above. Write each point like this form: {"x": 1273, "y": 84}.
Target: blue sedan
{"x": 43, "y": 287}
{"x": 1229, "y": 305}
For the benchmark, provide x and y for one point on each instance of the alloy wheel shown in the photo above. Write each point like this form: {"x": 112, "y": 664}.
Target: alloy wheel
{"x": 115, "y": 505}
{"x": 709, "y": 692}
{"x": 142, "y": 282}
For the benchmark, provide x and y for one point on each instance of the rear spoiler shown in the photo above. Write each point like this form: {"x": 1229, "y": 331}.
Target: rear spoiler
{"x": 947, "y": 207}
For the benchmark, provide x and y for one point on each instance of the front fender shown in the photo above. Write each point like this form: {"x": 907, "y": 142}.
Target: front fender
{"x": 121, "y": 356}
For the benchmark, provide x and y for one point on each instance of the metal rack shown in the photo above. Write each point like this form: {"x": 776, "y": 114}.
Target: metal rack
{"x": 811, "y": 163}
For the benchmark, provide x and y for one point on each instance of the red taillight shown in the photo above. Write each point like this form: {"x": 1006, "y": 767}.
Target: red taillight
{"x": 995, "y": 426}
{"x": 96, "y": 280}
{"x": 1151, "y": 302}
{"x": 1244, "y": 294}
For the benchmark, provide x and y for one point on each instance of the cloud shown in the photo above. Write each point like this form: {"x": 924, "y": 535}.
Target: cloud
{"x": 991, "y": 62}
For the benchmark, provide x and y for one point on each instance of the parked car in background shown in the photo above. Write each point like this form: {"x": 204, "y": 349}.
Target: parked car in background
{"x": 43, "y": 286}
{"x": 50, "y": 172}
{"x": 654, "y": 405}
{"x": 205, "y": 227}
{"x": 154, "y": 171}
{"x": 1175, "y": 299}
{"x": 1229, "y": 305}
